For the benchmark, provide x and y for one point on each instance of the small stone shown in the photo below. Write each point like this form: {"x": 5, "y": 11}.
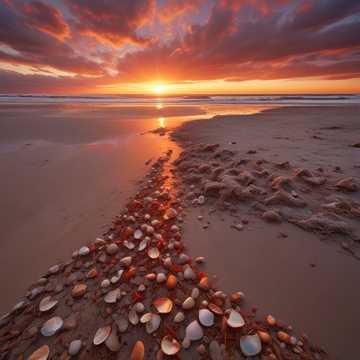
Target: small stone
{"x": 105, "y": 283}
{"x": 112, "y": 249}
{"x": 78, "y": 290}
{"x": 215, "y": 351}
{"x": 160, "y": 278}
{"x": 201, "y": 349}
{"x": 271, "y": 216}
{"x": 84, "y": 250}
{"x": 74, "y": 347}
{"x": 179, "y": 317}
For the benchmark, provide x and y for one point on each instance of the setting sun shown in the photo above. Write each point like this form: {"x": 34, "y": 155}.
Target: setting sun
{"x": 159, "y": 89}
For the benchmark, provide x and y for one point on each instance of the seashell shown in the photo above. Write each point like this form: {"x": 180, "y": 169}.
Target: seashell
{"x": 105, "y": 283}
{"x": 74, "y": 347}
{"x": 171, "y": 281}
{"x": 112, "y": 342}
{"x": 128, "y": 244}
{"x": 138, "y": 351}
{"x": 126, "y": 261}
{"x": 84, "y": 250}
{"x": 235, "y": 320}
{"x": 188, "y": 304}
{"x": 78, "y": 290}
{"x": 153, "y": 253}
{"x": 143, "y": 244}
{"x": 133, "y": 317}
{"x": 160, "y": 278}
{"x": 167, "y": 262}
{"x": 174, "y": 228}
{"x": 156, "y": 223}
{"x": 151, "y": 276}
{"x": 153, "y": 324}
{"x": 204, "y": 283}
{"x": 47, "y": 304}
{"x": 163, "y": 305}
{"x": 115, "y": 279}
{"x": 42, "y": 353}
{"x": 101, "y": 335}
{"x": 112, "y": 249}
{"x": 91, "y": 274}
{"x": 169, "y": 345}
{"x": 146, "y": 317}
{"x": 189, "y": 273}
{"x": 147, "y": 216}
{"x": 271, "y": 320}
{"x": 265, "y": 337}
{"x": 138, "y": 234}
{"x": 122, "y": 323}
{"x": 237, "y": 296}
{"x": 99, "y": 241}
{"x": 54, "y": 269}
{"x": 220, "y": 294}
{"x": 170, "y": 214}
{"x": 194, "y": 331}
{"x": 179, "y": 317}
{"x": 206, "y": 317}
{"x": 250, "y": 345}
{"x": 139, "y": 307}
{"x": 52, "y": 326}
{"x": 112, "y": 296}
{"x": 200, "y": 259}
{"x": 283, "y": 337}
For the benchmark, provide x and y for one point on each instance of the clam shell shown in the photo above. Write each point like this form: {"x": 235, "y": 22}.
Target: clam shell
{"x": 153, "y": 324}
{"x": 163, "y": 305}
{"x": 143, "y": 245}
{"x": 188, "y": 304}
{"x": 194, "y": 331}
{"x": 250, "y": 345}
{"x": 206, "y": 317}
{"x": 153, "y": 253}
{"x": 47, "y": 304}
{"x": 42, "y": 353}
{"x": 112, "y": 296}
{"x": 128, "y": 244}
{"x": 84, "y": 250}
{"x": 126, "y": 261}
{"x": 138, "y": 351}
{"x": 101, "y": 335}
{"x": 145, "y": 318}
{"x": 52, "y": 326}
{"x": 169, "y": 345}
{"x": 235, "y": 320}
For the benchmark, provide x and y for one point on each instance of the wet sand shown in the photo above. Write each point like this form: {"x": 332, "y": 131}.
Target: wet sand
{"x": 305, "y": 279}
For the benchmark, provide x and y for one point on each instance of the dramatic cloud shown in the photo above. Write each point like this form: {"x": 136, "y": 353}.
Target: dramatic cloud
{"x": 128, "y": 41}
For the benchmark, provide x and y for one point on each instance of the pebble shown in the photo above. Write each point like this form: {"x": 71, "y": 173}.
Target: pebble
{"x": 160, "y": 278}
{"x": 84, "y": 250}
{"x": 179, "y": 317}
{"x": 215, "y": 351}
{"x": 112, "y": 249}
{"x": 74, "y": 347}
{"x": 78, "y": 290}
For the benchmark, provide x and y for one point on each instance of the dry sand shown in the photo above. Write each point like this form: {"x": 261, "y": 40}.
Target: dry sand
{"x": 306, "y": 280}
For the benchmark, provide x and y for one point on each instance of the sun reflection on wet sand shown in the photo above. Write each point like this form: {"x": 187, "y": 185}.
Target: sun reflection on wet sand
{"x": 161, "y": 121}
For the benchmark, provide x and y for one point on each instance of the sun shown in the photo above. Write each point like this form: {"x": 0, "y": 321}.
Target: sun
{"x": 159, "y": 89}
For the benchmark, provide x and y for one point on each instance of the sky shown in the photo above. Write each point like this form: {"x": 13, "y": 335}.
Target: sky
{"x": 179, "y": 47}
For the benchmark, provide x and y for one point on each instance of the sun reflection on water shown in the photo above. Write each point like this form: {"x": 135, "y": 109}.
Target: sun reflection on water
{"x": 159, "y": 106}
{"x": 161, "y": 121}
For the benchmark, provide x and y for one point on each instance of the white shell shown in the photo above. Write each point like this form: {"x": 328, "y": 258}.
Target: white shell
{"x": 105, "y": 283}
{"x": 54, "y": 269}
{"x": 194, "y": 331}
{"x": 188, "y": 304}
{"x": 179, "y": 317}
{"x": 112, "y": 296}
{"x": 206, "y": 317}
{"x": 169, "y": 345}
{"x": 143, "y": 244}
{"x": 235, "y": 320}
{"x": 153, "y": 253}
{"x": 101, "y": 335}
{"x": 47, "y": 303}
{"x": 250, "y": 345}
{"x": 52, "y": 326}
{"x": 84, "y": 250}
{"x": 130, "y": 245}
{"x": 126, "y": 261}
{"x": 145, "y": 318}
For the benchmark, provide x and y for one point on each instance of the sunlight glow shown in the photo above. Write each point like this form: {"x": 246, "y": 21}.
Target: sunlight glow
{"x": 159, "y": 106}
{"x": 161, "y": 121}
{"x": 159, "y": 89}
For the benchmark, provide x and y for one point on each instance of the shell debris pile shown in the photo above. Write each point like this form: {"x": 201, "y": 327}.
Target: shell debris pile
{"x": 135, "y": 294}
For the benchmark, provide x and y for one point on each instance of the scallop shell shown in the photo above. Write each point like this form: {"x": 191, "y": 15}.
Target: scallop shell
{"x": 250, "y": 345}
{"x": 188, "y": 303}
{"x": 153, "y": 324}
{"x": 153, "y": 253}
{"x": 138, "y": 351}
{"x": 163, "y": 305}
{"x": 145, "y": 318}
{"x": 138, "y": 234}
{"x": 169, "y": 345}
{"x": 47, "y": 304}
{"x": 101, "y": 335}
{"x": 194, "y": 331}
{"x": 235, "y": 320}
{"x": 112, "y": 296}
{"x": 52, "y": 326}
{"x": 41, "y": 353}
{"x": 206, "y": 317}
{"x": 179, "y": 317}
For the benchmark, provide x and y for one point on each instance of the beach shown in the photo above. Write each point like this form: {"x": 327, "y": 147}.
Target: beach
{"x": 92, "y": 174}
